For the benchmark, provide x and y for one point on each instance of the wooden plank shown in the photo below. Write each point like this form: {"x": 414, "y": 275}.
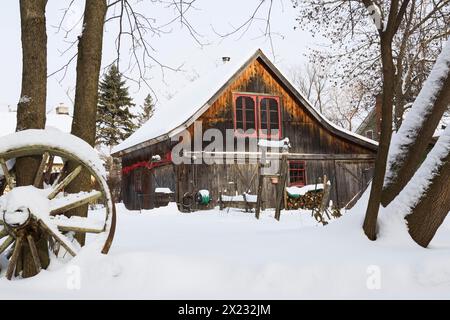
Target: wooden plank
{"x": 326, "y": 195}
{"x": 79, "y": 229}
{"x": 78, "y": 202}
{"x": 6, "y": 244}
{"x": 3, "y": 233}
{"x": 60, "y": 186}
{"x": 293, "y": 156}
{"x": 40, "y": 171}
{"x": 58, "y": 237}
{"x": 34, "y": 253}
{"x": 13, "y": 261}
{"x": 48, "y": 172}
{"x": 259, "y": 191}
{"x": 6, "y": 173}
{"x": 281, "y": 187}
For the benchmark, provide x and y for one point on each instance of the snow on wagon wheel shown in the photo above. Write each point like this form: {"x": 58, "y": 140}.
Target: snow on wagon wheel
{"x": 32, "y": 211}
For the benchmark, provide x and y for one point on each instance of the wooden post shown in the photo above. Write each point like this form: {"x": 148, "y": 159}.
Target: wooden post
{"x": 326, "y": 197}
{"x": 281, "y": 186}
{"x": 259, "y": 191}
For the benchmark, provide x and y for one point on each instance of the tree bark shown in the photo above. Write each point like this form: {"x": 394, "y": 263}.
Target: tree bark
{"x": 86, "y": 92}
{"x": 370, "y": 220}
{"x": 431, "y": 210}
{"x": 411, "y": 154}
{"x": 32, "y": 104}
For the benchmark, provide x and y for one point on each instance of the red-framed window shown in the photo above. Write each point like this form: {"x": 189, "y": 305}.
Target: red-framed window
{"x": 245, "y": 113}
{"x": 297, "y": 173}
{"x": 269, "y": 117}
{"x": 257, "y": 112}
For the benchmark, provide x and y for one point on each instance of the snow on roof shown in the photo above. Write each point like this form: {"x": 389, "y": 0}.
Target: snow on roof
{"x": 173, "y": 116}
{"x": 8, "y": 122}
{"x": 173, "y": 113}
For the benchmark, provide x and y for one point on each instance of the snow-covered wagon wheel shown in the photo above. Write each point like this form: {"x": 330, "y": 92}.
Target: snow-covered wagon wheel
{"x": 38, "y": 210}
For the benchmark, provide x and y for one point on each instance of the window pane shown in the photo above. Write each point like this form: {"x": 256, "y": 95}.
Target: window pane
{"x": 297, "y": 173}
{"x": 263, "y": 113}
{"x": 249, "y": 105}
{"x": 239, "y": 103}
{"x": 274, "y": 117}
{"x": 269, "y": 113}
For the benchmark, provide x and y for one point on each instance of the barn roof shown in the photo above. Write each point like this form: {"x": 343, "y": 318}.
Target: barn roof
{"x": 187, "y": 106}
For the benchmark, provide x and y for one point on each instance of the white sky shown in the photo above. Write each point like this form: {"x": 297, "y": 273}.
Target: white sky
{"x": 174, "y": 49}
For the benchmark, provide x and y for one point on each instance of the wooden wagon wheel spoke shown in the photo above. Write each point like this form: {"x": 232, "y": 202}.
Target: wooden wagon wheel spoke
{"x": 73, "y": 201}
{"x": 13, "y": 260}
{"x": 40, "y": 172}
{"x": 34, "y": 253}
{"x": 77, "y": 224}
{"x": 6, "y": 173}
{"x": 59, "y": 238}
{"x": 6, "y": 244}
{"x": 49, "y": 169}
{"x": 67, "y": 180}
{"x": 3, "y": 233}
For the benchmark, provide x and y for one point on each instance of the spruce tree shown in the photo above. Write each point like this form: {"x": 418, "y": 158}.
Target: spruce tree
{"x": 114, "y": 119}
{"x": 147, "y": 110}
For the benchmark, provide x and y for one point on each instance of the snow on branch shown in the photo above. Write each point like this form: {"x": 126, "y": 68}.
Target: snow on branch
{"x": 420, "y": 111}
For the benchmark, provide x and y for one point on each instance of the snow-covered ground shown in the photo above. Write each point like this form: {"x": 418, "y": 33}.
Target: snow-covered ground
{"x": 165, "y": 254}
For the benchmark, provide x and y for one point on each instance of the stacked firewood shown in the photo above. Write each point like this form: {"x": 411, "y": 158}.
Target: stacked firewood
{"x": 308, "y": 201}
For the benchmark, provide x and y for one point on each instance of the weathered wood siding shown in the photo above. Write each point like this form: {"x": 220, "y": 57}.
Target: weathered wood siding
{"x": 306, "y": 135}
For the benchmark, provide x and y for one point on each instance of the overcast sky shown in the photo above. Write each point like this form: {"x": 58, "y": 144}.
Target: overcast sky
{"x": 173, "y": 49}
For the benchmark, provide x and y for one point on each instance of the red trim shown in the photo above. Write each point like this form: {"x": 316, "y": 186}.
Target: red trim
{"x": 244, "y": 122}
{"x": 277, "y": 99}
{"x": 148, "y": 164}
{"x": 257, "y": 101}
{"x": 297, "y": 183}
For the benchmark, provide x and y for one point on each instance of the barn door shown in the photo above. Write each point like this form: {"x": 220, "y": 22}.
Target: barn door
{"x": 352, "y": 177}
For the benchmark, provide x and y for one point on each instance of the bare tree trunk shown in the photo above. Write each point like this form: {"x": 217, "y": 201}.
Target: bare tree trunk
{"x": 86, "y": 92}
{"x": 431, "y": 210}
{"x": 370, "y": 221}
{"x": 32, "y": 103}
{"x": 432, "y": 102}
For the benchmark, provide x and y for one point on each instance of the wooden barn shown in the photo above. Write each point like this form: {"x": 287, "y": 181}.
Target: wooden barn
{"x": 242, "y": 96}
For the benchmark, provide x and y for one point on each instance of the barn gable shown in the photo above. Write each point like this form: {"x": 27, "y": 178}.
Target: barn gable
{"x": 213, "y": 92}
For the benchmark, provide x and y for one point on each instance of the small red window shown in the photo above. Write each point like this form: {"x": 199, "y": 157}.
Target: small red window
{"x": 297, "y": 173}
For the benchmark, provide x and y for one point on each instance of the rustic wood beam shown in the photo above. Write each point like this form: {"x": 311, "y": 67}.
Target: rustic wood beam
{"x": 60, "y": 186}
{"x": 58, "y": 237}
{"x": 6, "y": 244}
{"x": 277, "y": 155}
{"x": 3, "y": 233}
{"x": 79, "y": 229}
{"x": 281, "y": 186}
{"x": 77, "y": 202}
{"x": 15, "y": 256}
{"x": 40, "y": 172}
{"x": 259, "y": 191}
{"x": 6, "y": 173}
{"x": 34, "y": 253}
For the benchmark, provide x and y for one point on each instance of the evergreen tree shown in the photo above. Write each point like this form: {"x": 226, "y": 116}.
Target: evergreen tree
{"x": 114, "y": 119}
{"x": 147, "y": 110}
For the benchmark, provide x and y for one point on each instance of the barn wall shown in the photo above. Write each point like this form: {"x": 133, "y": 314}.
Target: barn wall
{"x": 306, "y": 134}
